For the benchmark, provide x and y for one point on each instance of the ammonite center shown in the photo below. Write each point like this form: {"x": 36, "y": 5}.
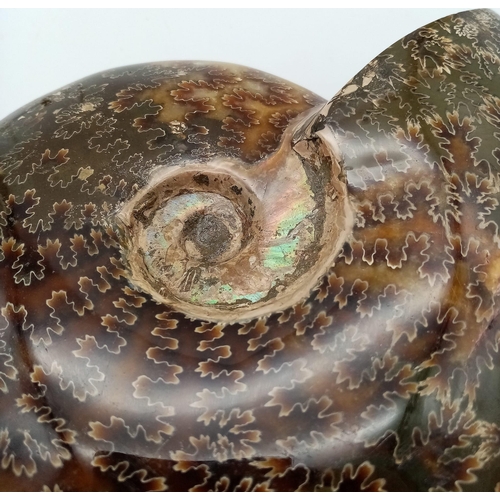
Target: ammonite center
{"x": 227, "y": 242}
{"x": 214, "y": 232}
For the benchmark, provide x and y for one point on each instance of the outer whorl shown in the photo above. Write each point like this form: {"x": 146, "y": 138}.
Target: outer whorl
{"x": 212, "y": 279}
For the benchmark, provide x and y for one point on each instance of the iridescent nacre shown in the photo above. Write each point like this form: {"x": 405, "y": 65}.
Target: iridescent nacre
{"x": 212, "y": 279}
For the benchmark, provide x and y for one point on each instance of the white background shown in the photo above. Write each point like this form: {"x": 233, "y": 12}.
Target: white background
{"x": 320, "y": 49}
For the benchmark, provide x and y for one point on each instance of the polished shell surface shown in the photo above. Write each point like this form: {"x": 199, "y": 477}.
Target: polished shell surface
{"x": 369, "y": 362}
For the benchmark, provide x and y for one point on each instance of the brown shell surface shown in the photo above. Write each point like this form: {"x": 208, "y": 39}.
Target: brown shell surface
{"x": 386, "y": 377}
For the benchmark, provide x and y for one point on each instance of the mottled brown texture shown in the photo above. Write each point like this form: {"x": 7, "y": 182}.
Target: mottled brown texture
{"x": 386, "y": 377}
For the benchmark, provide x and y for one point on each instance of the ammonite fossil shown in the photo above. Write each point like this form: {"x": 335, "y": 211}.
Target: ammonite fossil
{"x": 212, "y": 279}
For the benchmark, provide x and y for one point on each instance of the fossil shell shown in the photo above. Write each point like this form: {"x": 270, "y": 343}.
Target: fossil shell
{"x": 212, "y": 279}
